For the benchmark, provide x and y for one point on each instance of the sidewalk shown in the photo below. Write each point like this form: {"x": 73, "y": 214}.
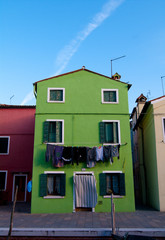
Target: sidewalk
{"x": 142, "y": 222}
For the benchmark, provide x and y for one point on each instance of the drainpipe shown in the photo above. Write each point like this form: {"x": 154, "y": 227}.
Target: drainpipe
{"x": 143, "y": 171}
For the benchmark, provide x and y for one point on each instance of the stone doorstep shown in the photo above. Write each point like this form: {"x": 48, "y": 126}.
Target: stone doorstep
{"x": 86, "y": 232}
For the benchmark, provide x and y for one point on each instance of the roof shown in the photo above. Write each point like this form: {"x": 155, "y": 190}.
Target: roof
{"x": 159, "y": 98}
{"x": 17, "y": 106}
{"x": 81, "y": 69}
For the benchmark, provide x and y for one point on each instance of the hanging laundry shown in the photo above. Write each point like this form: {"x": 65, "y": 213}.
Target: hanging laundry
{"x": 81, "y": 154}
{"x": 58, "y": 156}
{"x": 99, "y": 154}
{"x": 91, "y": 164}
{"x": 67, "y": 155}
{"x": 115, "y": 151}
{"x": 49, "y": 152}
{"x": 91, "y": 154}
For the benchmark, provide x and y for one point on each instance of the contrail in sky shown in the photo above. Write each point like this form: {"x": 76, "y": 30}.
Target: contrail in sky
{"x": 69, "y": 50}
{"x": 28, "y": 98}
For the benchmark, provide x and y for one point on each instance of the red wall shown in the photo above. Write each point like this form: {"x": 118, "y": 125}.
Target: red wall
{"x": 18, "y": 123}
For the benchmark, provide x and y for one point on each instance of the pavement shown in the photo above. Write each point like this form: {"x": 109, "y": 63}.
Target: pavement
{"x": 146, "y": 222}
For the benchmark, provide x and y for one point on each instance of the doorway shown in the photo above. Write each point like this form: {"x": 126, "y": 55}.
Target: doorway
{"x": 20, "y": 180}
{"x": 84, "y": 192}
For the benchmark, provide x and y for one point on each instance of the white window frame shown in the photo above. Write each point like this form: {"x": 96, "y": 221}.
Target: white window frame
{"x": 5, "y": 180}
{"x": 7, "y": 146}
{"x": 114, "y": 196}
{"x": 163, "y": 127}
{"x": 107, "y": 90}
{"x": 119, "y": 137}
{"x": 58, "y": 120}
{"x": 53, "y": 172}
{"x": 48, "y": 95}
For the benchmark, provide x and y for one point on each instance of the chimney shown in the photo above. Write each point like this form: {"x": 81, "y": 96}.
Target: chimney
{"x": 141, "y": 100}
{"x": 116, "y": 76}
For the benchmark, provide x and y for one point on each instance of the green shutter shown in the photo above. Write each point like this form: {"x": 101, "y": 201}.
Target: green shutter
{"x": 115, "y": 182}
{"x": 102, "y": 181}
{"x": 62, "y": 184}
{"x": 43, "y": 185}
{"x": 108, "y": 132}
{"x": 122, "y": 184}
{"x": 58, "y": 132}
{"x": 46, "y": 131}
{"x": 115, "y": 132}
{"x": 102, "y": 132}
{"x": 52, "y": 132}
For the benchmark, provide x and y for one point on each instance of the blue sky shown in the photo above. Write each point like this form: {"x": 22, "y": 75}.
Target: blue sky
{"x": 42, "y": 38}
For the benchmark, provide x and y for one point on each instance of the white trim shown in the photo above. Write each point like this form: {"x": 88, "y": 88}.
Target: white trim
{"x": 78, "y": 173}
{"x": 48, "y": 95}
{"x": 20, "y": 175}
{"x": 119, "y": 137}
{"x": 52, "y": 197}
{"x": 7, "y": 146}
{"x": 5, "y": 179}
{"x": 114, "y": 196}
{"x": 163, "y": 127}
{"x": 58, "y": 120}
{"x": 112, "y": 172}
{"x": 157, "y": 100}
{"x": 54, "y": 172}
{"x": 107, "y": 90}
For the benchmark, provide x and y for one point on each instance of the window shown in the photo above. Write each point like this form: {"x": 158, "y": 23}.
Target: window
{"x": 52, "y": 184}
{"x": 56, "y": 95}
{"x": 54, "y": 131}
{"x": 4, "y": 145}
{"x": 110, "y": 132}
{"x": 109, "y": 95}
{"x": 3, "y": 180}
{"x": 112, "y": 182}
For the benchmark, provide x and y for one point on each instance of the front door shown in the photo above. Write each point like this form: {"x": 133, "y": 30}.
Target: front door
{"x": 85, "y": 192}
{"x": 21, "y": 182}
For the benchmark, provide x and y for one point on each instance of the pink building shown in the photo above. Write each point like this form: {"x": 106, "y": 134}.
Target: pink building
{"x": 16, "y": 151}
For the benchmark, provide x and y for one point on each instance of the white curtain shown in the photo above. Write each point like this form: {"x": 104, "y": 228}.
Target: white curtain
{"x": 85, "y": 191}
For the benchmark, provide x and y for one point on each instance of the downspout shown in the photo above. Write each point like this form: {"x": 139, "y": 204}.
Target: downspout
{"x": 143, "y": 171}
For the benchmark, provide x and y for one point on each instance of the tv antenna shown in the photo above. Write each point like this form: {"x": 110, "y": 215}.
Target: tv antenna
{"x": 162, "y": 84}
{"x": 11, "y": 98}
{"x": 114, "y": 59}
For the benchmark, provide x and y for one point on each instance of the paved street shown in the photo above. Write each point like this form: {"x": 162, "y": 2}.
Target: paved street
{"x": 141, "y": 220}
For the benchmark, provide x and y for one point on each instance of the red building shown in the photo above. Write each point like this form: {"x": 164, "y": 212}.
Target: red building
{"x": 16, "y": 151}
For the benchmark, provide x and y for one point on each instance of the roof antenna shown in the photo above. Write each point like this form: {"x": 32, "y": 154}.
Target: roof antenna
{"x": 162, "y": 84}
{"x": 148, "y": 93}
{"x": 114, "y": 60}
{"x": 11, "y": 98}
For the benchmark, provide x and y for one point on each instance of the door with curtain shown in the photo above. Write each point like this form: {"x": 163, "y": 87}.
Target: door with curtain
{"x": 85, "y": 192}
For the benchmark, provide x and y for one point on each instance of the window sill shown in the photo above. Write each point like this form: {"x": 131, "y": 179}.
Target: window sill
{"x": 52, "y": 197}
{"x": 109, "y": 102}
{"x": 56, "y": 101}
{"x": 114, "y": 196}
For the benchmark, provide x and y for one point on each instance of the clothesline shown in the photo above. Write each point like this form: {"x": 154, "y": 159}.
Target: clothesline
{"x": 61, "y": 155}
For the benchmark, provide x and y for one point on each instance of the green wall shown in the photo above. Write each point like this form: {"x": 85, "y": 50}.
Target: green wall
{"x": 152, "y": 190}
{"x": 82, "y": 112}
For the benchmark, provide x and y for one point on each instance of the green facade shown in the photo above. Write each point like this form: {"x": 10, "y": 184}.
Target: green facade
{"x": 82, "y": 112}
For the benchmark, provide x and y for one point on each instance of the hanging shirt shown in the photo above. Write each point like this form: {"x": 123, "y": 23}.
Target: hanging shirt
{"x": 99, "y": 154}
{"x": 49, "y": 152}
{"x": 58, "y": 156}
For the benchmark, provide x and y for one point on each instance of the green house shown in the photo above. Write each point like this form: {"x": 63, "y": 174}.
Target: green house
{"x": 82, "y": 146}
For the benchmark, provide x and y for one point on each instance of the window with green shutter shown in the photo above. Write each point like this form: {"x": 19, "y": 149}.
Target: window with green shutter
{"x": 109, "y": 95}
{"x": 112, "y": 183}
{"x": 52, "y": 184}
{"x": 53, "y": 131}
{"x": 109, "y": 132}
{"x": 56, "y": 95}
